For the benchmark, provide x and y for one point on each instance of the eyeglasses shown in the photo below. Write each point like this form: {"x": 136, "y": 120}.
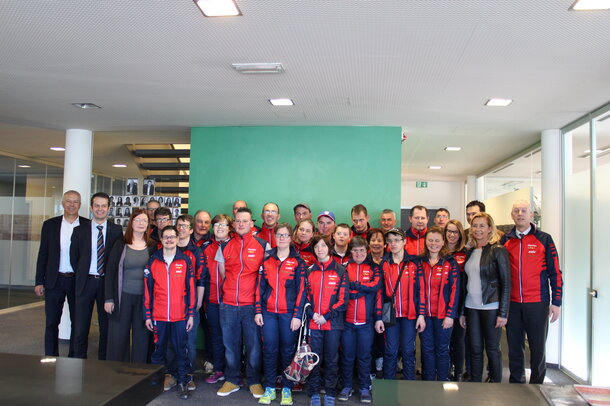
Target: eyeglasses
{"x": 140, "y": 220}
{"x": 221, "y": 225}
{"x": 282, "y": 235}
{"x": 454, "y": 232}
{"x": 183, "y": 226}
{"x": 270, "y": 211}
{"x": 162, "y": 219}
{"x": 169, "y": 237}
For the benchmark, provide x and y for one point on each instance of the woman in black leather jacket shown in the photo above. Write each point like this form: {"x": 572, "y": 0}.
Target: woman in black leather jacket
{"x": 487, "y": 284}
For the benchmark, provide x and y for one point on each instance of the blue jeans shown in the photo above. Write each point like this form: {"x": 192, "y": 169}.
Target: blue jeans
{"x": 191, "y": 345}
{"x": 435, "y": 350}
{"x": 238, "y": 328}
{"x": 401, "y": 336}
{"x": 278, "y": 342}
{"x": 357, "y": 342}
{"x": 212, "y": 311}
{"x": 325, "y": 343}
{"x": 176, "y": 333}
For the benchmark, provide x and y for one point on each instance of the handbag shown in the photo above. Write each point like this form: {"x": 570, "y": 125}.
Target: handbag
{"x": 388, "y": 314}
{"x": 304, "y": 359}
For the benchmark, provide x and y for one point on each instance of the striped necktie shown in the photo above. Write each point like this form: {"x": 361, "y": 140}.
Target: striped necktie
{"x": 100, "y": 250}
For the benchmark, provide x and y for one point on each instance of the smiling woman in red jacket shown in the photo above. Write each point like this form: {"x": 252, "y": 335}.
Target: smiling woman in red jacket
{"x": 279, "y": 308}
{"x": 302, "y": 236}
{"x": 326, "y": 289}
{"x": 442, "y": 287}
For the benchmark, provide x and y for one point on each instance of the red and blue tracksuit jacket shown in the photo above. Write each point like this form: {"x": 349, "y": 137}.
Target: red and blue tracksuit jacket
{"x": 305, "y": 250}
{"x": 326, "y": 288}
{"x": 534, "y": 266}
{"x": 410, "y": 298}
{"x": 282, "y": 285}
{"x": 267, "y": 234}
{"x": 442, "y": 287}
{"x": 213, "y": 289}
{"x": 203, "y": 241}
{"x": 243, "y": 258}
{"x": 362, "y": 234}
{"x": 169, "y": 289}
{"x": 343, "y": 260}
{"x": 415, "y": 241}
{"x": 198, "y": 261}
{"x": 365, "y": 288}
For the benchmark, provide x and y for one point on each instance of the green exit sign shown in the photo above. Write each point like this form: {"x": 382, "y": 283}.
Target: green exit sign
{"x": 421, "y": 184}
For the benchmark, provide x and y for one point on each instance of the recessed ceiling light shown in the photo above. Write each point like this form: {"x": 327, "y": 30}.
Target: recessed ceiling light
{"x": 24, "y": 166}
{"x": 57, "y": 149}
{"x": 281, "y": 102}
{"x": 218, "y": 8}
{"x": 434, "y": 167}
{"x": 581, "y": 5}
{"x": 453, "y": 148}
{"x": 258, "y": 67}
{"x": 119, "y": 166}
{"x": 86, "y": 106}
{"x": 498, "y": 102}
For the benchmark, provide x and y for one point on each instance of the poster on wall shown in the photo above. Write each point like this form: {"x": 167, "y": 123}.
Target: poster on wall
{"x": 148, "y": 187}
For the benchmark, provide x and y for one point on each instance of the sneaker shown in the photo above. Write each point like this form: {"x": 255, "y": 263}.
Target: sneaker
{"x": 345, "y": 394}
{"x": 315, "y": 400}
{"x": 208, "y": 367}
{"x": 373, "y": 376}
{"x": 257, "y": 390}
{"x": 379, "y": 364}
{"x": 286, "y": 397}
{"x": 365, "y": 396}
{"x": 227, "y": 388}
{"x": 169, "y": 382}
{"x": 191, "y": 383}
{"x": 329, "y": 400}
{"x": 216, "y": 377}
{"x": 183, "y": 392}
{"x": 267, "y": 397}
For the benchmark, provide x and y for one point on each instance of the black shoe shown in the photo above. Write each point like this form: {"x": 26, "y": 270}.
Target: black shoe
{"x": 183, "y": 392}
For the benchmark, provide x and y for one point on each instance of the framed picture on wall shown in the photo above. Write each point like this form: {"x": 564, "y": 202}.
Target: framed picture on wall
{"x": 148, "y": 188}
{"x": 131, "y": 188}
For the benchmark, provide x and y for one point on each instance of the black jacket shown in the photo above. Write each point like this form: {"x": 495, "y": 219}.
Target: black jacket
{"x": 495, "y": 277}
{"x": 81, "y": 250}
{"x": 114, "y": 273}
{"x": 47, "y": 265}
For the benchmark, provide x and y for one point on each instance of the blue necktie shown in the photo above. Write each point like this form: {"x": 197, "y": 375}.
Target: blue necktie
{"x": 100, "y": 251}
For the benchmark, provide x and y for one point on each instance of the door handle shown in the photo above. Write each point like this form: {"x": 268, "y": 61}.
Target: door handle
{"x": 593, "y": 293}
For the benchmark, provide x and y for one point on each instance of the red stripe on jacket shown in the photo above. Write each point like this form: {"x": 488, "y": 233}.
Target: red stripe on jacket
{"x": 267, "y": 234}
{"x": 415, "y": 240}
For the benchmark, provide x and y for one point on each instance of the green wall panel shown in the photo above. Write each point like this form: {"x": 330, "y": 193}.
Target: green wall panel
{"x": 330, "y": 168}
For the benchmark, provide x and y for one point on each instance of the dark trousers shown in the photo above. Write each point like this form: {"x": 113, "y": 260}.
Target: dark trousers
{"x": 175, "y": 332}
{"x": 325, "y": 343}
{"x": 531, "y": 319}
{"x": 457, "y": 349}
{"x": 484, "y": 336}
{"x": 191, "y": 347}
{"x": 435, "y": 350}
{"x": 127, "y": 324}
{"x": 238, "y": 327}
{"x": 279, "y": 343}
{"x": 53, "y": 307}
{"x": 217, "y": 347}
{"x": 204, "y": 323}
{"x": 400, "y": 338}
{"x": 356, "y": 343}
{"x": 93, "y": 293}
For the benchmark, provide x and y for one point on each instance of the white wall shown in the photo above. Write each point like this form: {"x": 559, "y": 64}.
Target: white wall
{"x": 447, "y": 194}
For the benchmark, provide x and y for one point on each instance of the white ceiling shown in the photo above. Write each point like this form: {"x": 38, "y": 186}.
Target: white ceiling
{"x": 158, "y": 67}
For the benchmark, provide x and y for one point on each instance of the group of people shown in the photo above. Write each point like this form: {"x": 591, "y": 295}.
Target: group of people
{"x": 365, "y": 293}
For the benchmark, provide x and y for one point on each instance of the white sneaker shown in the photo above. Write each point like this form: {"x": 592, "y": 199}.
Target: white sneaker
{"x": 379, "y": 364}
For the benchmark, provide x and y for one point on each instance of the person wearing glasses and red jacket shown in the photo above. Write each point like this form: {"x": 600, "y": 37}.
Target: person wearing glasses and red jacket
{"x": 326, "y": 288}
{"x": 442, "y": 292}
{"x": 409, "y": 305}
{"x": 362, "y": 317}
{"x": 279, "y": 308}
{"x": 169, "y": 303}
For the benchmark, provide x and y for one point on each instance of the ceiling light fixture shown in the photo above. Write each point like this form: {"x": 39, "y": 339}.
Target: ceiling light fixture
{"x": 218, "y": 8}
{"x": 119, "y": 166}
{"x": 281, "y": 102}
{"x": 258, "y": 67}
{"x": 23, "y": 166}
{"x": 453, "y": 149}
{"x": 58, "y": 149}
{"x": 497, "y": 102}
{"x": 435, "y": 167}
{"x": 582, "y": 5}
{"x": 86, "y": 106}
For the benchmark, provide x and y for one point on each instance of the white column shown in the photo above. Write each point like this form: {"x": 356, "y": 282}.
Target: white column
{"x": 552, "y": 215}
{"x": 471, "y": 189}
{"x": 78, "y": 161}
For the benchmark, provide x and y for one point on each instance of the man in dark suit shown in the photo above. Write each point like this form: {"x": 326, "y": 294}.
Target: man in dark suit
{"x": 149, "y": 187}
{"x": 54, "y": 273}
{"x": 92, "y": 241}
